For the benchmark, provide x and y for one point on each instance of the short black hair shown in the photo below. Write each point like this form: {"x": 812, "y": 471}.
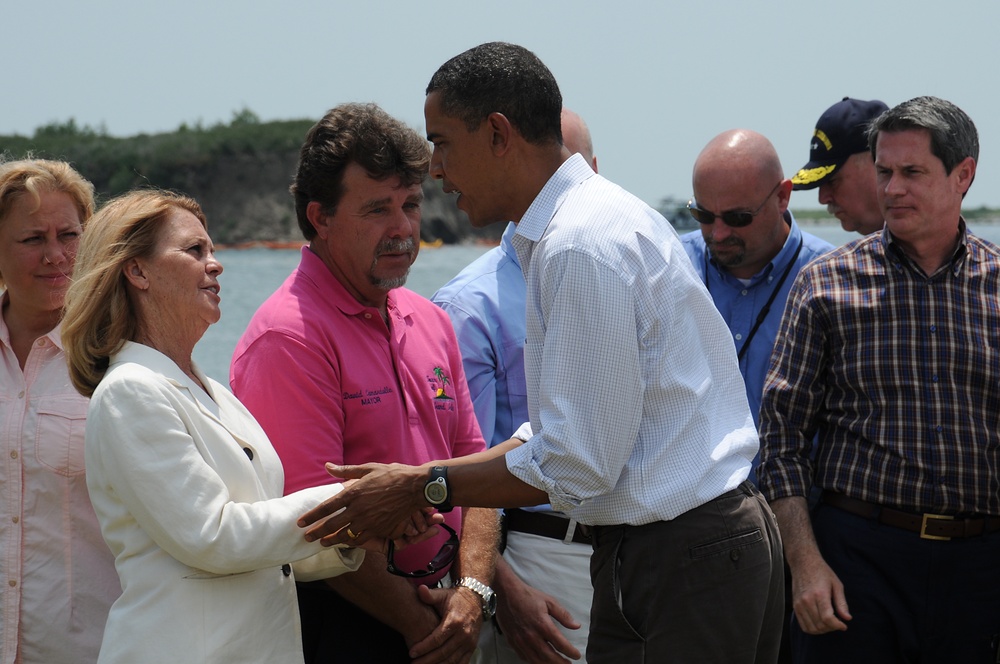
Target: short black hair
{"x": 498, "y": 77}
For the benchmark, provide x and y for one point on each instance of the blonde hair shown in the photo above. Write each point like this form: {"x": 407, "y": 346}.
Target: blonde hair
{"x": 35, "y": 177}
{"x": 99, "y": 316}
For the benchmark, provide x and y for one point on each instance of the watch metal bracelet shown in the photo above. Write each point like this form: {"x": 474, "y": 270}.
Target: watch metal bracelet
{"x": 487, "y": 598}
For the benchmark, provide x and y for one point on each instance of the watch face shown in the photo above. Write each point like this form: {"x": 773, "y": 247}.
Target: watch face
{"x": 435, "y": 492}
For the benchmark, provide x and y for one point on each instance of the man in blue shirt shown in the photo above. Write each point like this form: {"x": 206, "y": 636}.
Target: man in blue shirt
{"x": 544, "y": 570}
{"x": 749, "y": 267}
{"x": 749, "y": 247}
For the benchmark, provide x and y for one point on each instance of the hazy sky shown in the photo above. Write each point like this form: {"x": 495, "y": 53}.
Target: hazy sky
{"x": 655, "y": 80}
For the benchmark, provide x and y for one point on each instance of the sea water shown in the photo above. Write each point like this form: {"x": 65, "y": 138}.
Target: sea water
{"x": 251, "y": 275}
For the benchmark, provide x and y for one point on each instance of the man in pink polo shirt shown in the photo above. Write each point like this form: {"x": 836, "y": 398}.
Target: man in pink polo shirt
{"x": 342, "y": 364}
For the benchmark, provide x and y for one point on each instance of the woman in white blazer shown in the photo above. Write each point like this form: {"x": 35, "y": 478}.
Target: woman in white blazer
{"x": 185, "y": 484}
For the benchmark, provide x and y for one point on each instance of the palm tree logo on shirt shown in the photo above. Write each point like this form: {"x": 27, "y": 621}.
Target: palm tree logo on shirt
{"x": 443, "y": 380}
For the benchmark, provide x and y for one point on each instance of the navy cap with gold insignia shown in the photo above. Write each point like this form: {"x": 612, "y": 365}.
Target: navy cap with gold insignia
{"x": 839, "y": 133}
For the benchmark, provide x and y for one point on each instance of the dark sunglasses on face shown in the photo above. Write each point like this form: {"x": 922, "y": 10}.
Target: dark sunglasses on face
{"x": 733, "y": 218}
{"x": 440, "y": 561}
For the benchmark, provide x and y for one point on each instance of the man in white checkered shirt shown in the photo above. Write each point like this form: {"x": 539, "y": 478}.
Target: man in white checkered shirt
{"x": 640, "y": 418}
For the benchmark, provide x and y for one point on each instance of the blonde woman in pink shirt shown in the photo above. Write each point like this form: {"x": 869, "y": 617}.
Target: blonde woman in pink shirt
{"x": 59, "y": 577}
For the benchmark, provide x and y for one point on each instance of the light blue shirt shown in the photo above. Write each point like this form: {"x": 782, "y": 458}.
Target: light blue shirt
{"x": 634, "y": 393}
{"x": 485, "y": 302}
{"x": 740, "y": 304}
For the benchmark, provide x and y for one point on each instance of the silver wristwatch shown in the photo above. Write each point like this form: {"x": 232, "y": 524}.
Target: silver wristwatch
{"x": 487, "y": 597}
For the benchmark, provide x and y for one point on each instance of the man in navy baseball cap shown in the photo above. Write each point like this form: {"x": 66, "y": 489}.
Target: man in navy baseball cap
{"x": 841, "y": 165}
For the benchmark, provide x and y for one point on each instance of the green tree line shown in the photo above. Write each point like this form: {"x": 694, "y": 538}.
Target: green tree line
{"x": 116, "y": 165}
{"x": 239, "y": 171}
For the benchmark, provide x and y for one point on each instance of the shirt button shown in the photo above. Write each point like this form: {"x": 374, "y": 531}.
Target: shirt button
{"x": 934, "y": 379}
{"x": 13, "y": 454}
{"x": 248, "y": 452}
{"x": 12, "y": 583}
{"x": 738, "y": 336}
{"x": 15, "y": 519}
{"x": 743, "y": 292}
{"x": 286, "y": 569}
{"x": 41, "y": 342}
{"x": 368, "y": 315}
{"x": 933, "y": 328}
{"x": 20, "y": 395}
{"x": 734, "y": 555}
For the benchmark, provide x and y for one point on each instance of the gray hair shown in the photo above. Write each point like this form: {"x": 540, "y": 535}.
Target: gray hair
{"x": 953, "y": 134}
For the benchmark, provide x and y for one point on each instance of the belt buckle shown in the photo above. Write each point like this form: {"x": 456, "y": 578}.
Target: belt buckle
{"x": 923, "y": 526}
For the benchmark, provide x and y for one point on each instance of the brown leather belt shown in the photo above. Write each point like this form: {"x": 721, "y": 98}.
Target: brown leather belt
{"x": 546, "y": 525}
{"x": 928, "y": 526}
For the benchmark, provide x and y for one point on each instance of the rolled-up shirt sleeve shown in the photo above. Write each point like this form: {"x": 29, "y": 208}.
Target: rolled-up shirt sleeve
{"x": 591, "y": 391}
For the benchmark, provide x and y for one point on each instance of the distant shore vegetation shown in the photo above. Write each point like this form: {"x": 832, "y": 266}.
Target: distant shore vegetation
{"x": 116, "y": 164}
{"x": 240, "y": 171}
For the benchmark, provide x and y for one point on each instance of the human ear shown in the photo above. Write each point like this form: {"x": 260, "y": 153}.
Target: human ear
{"x": 135, "y": 274}
{"x": 965, "y": 173}
{"x": 316, "y": 217}
{"x": 501, "y": 133}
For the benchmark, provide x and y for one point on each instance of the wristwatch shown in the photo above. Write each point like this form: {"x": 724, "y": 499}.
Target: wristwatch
{"x": 436, "y": 489}
{"x": 487, "y": 597}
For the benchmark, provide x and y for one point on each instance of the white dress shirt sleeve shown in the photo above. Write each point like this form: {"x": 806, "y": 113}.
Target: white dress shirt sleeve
{"x": 590, "y": 402}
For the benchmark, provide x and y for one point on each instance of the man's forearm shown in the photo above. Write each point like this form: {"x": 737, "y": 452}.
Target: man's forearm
{"x": 488, "y": 454}
{"x": 797, "y": 536}
{"x": 384, "y": 496}
{"x": 479, "y": 550}
{"x": 489, "y": 484}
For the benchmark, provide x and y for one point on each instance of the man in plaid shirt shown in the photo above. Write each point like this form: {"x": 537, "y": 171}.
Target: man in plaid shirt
{"x": 889, "y": 353}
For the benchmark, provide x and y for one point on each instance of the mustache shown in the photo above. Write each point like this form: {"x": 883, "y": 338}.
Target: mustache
{"x": 398, "y": 246}
{"x": 728, "y": 242}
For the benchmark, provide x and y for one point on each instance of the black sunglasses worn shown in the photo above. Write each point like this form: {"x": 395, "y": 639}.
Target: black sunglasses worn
{"x": 440, "y": 561}
{"x": 733, "y": 218}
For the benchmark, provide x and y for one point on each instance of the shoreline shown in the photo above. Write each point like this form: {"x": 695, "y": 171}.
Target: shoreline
{"x": 805, "y": 221}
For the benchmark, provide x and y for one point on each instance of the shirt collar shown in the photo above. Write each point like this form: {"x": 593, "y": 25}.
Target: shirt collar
{"x": 4, "y": 332}
{"x": 792, "y": 242}
{"x": 507, "y": 243}
{"x": 52, "y": 335}
{"x": 154, "y": 360}
{"x": 572, "y": 172}
{"x": 892, "y": 249}
{"x": 780, "y": 260}
{"x": 55, "y": 337}
{"x": 313, "y": 267}
{"x": 207, "y": 399}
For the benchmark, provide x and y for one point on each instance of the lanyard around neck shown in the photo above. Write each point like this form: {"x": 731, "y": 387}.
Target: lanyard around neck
{"x": 767, "y": 305}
